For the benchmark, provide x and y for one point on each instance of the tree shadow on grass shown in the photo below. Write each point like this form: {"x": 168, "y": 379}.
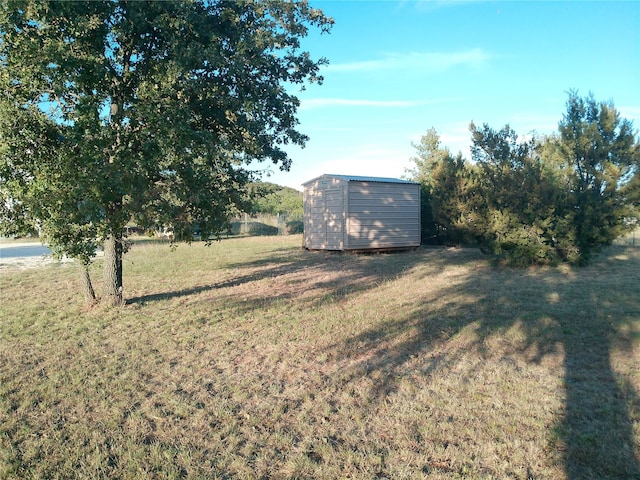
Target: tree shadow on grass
{"x": 336, "y": 274}
{"x": 580, "y": 313}
{"x": 195, "y": 290}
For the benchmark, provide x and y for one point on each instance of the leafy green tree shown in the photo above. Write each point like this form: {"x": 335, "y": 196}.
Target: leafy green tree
{"x": 274, "y": 199}
{"x": 445, "y": 187}
{"x": 542, "y": 201}
{"x": 601, "y": 155}
{"x": 152, "y": 111}
{"x": 518, "y": 198}
{"x": 452, "y": 200}
{"x": 428, "y": 153}
{"x": 563, "y": 197}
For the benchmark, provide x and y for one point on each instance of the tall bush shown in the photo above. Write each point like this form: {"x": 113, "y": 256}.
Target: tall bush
{"x": 537, "y": 201}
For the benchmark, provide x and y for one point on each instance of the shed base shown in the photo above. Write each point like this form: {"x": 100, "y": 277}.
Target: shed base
{"x": 366, "y": 250}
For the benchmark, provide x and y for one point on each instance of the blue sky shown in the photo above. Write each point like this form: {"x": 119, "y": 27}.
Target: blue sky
{"x": 398, "y": 68}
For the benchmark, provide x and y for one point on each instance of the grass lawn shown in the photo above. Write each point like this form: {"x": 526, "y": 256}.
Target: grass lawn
{"x": 252, "y": 358}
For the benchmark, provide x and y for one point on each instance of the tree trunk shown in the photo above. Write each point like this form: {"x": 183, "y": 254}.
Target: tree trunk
{"x": 113, "y": 249}
{"x": 87, "y": 287}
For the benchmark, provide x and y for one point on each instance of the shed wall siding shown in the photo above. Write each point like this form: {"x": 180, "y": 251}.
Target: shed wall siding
{"x": 343, "y": 213}
{"x": 313, "y": 218}
{"x": 324, "y": 214}
{"x": 334, "y": 218}
{"x": 383, "y": 215}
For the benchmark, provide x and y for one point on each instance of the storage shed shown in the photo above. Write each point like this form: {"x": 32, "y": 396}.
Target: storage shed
{"x": 361, "y": 213}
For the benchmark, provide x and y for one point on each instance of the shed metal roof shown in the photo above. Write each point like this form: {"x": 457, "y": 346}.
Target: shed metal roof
{"x": 357, "y": 178}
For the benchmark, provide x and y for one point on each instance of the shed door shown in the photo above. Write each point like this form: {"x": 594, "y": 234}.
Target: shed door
{"x": 334, "y": 218}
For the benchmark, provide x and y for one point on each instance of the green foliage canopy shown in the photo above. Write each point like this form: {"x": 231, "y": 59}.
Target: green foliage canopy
{"x": 445, "y": 184}
{"x": 273, "y": 199}
{"x": 602, "y": 155}
{"x": 112, "y": 111}
{"x": 517, "y": 200}
{"x": 544, "y": 200}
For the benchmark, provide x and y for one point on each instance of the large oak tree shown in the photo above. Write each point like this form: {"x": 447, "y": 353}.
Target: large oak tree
{"x": 119, "y": 110}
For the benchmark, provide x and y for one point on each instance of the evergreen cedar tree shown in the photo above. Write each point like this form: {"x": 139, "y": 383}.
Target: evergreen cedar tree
{"x": 113, "y": 111}
{"x": 540, "y": 201}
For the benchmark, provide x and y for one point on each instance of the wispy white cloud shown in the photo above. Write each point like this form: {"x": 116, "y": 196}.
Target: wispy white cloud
{"x": 630, "y": 113}
{"x": 430, "y": 61}
{"x": 427, "y": 6}
{"x": 350, "y": 102}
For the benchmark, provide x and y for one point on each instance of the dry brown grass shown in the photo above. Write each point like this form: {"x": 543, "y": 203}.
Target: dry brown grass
{"x": 255, "y": 359}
